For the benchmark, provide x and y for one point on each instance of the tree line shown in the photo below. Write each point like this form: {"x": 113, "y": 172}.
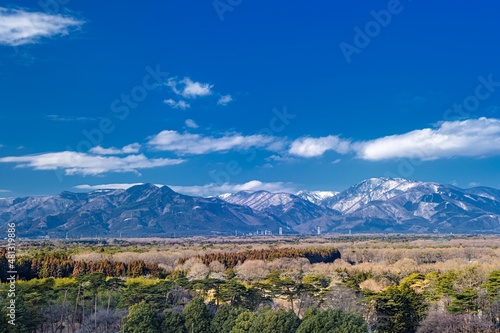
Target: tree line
{"x": 231, "y": 259}
{"x": 60, "y": 265}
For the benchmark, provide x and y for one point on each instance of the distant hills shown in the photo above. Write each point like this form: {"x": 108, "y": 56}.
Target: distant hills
{"x": 376, "y": 205}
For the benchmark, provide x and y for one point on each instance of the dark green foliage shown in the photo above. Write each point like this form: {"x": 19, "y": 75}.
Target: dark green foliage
{"x": 156, "y": 295}
{"x": 464, "y": 302}
{"x": 25, "y": 320}
{"x": 224, "y": 319}
{"x": 332, "y": 321}
{"x": 141, "y": 319}
{"x": 281, "y": 286}
{"x": 173, "y": 322}
{"x": 279, "y": 321}
{"x": 399, "y": 310}
{"x": 197, "y": 317}
{"x": 492, "y": 286}
{"x": 233, "y": 292}
{"x": 243, "y": 323}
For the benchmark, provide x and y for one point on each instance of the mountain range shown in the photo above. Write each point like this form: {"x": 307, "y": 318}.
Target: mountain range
{"x": 376, "y": 205}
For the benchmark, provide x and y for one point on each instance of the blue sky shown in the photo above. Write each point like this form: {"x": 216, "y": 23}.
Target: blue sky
{"x": 219, "y": 96}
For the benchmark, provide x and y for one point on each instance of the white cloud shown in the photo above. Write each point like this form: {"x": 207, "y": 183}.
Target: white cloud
{"x": 18, "y": 27}
{"x": 74, "y": 163}
{"x": 118, "y": 186}
{"x": 121, "y": 186}
{"x": 280, "y": 158}
{"x": 470, "y": 138}
{"x": 474, "y": 184}
{"x": 132, "y": 148}
{"x": 4, "y": 191}
{"x": 312, "y": 147}
{"x": 203, "y": 190}
{"x": 189, "y": 88}
{"x": 224, "y": 100}
{"x": 215, "y": 189}
{"x": 177, "y": 105}
{"x": 191, "y": 123}
{"x": 187, "y": 143}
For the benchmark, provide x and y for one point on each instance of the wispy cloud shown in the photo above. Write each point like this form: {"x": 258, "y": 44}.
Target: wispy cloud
{"x": 4, "y": 191}
{"x": 470, "y": 138}
{"x": 313, "y": 147}
{"x": 177, "y": 104}
{"x": 74, "y": 163}
{"x": 203, "y": 190}
{"x": 186, "y": 143}
{"x": 224, "y": 100}
{"x": 18, "y": 27}
{"x": 119, "y": 186}
{"x": 55, "y": 117}
{"x": 216, "y": 189}
{"x": 191, "y": 123}
{"x": 128, "y": 149}
{"x": 188, "y": 88}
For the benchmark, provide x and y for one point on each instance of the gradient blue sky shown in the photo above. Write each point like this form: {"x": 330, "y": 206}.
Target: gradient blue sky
{"x": 211, "y": 121}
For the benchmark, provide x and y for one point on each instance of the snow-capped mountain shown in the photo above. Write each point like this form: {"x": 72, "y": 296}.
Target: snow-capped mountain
{"x": 288, "y": 209}
{"x": 141, "y": 210}
{"x": 316, "y": 197}
{"x": 259, "y": 200}
{"x": 397, "y": 205}
{"x": 373, "y": 205}
{"x": 373, "y": 189}
{"x": 430, "y": 207}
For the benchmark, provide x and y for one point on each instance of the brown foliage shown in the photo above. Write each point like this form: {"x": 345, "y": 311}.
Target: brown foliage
{"x": 231, "y": 259}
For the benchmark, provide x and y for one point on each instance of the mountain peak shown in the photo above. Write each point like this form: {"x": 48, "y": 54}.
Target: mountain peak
{"x": 258, "y": 200}
{"x": 316, "y": 197}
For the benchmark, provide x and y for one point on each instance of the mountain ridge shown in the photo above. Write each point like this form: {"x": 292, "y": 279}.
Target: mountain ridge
{"x": 375, "y": 205}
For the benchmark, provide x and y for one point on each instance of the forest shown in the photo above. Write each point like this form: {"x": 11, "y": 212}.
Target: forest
{"x": 371, "y": 283}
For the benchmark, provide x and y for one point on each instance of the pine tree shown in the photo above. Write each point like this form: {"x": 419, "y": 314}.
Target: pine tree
{"x": 332, "y": 321}
{"x": 141, "y": 319}
{"x": 173, "y": 322}
{"x": 399, "y": 310}
{"x": 243, "y": 322}
{"x": 224, "y": 319}
{"x": 279, "y": 321}
{"x": 197, "y": 317}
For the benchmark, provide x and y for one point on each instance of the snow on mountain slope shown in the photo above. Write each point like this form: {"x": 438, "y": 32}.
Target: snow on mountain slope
{"x": 369, "y": 190}
{"x": 259, "y": 200}
{"x": 373, "y": 205}
{"x": 316, "y": 197}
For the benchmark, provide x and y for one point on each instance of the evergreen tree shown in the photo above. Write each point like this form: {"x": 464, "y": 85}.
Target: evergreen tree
{"x": 332, "y": 321}
{"x": 279, "y": 321}
{"x": 224, "y": 319}
{"x": 493, "y": 284}
{"x": 399, "y": 310}
{"x": 243, "y": 323}
{"x": 197, "y": 317}
{"x": 464, "y": 302}
{"x": 173, "y": 322}
{"x": 141, "y": 319}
